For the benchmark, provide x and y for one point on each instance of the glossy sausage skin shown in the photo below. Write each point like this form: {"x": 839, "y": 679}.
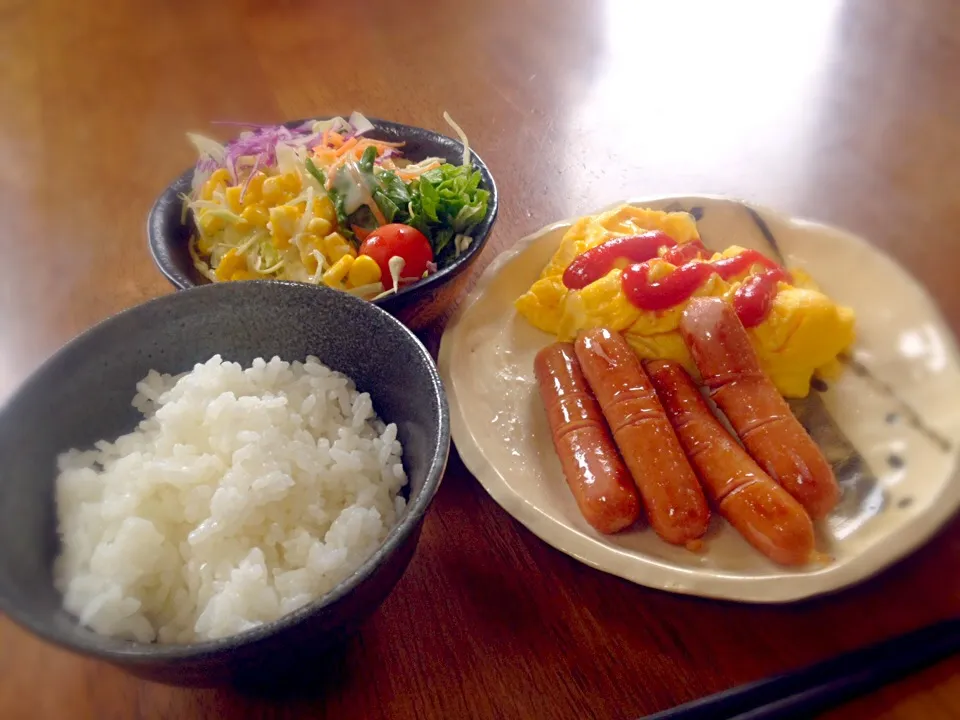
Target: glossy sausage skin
{"x": 598, "y": 479}
{"x": 674, "y": 501}
{"x": 762, "y": 511}
{"x": 728, "y": 363}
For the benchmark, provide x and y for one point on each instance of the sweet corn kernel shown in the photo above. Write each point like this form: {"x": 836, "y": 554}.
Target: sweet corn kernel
{"x": 254, "y": 193}
{"x": 291, "y": 182}
{"x": 256, "y": 215}
{"x": 335, "y": 275}
{"x": 283, "y": 224}
{"x": 233, "y": 198}
{"x": 273, "y": 192}
{"x": 245, "y": 275}
{"x": 336, "y": 247}
{"x": 364, "y": 271}
{"x": 211, "y": 223}
{"x": 319, "y": 226}
{"x": 323, "y": 208}
{"x": 218, "y": 176}
{"x": 217, "y": 180}
{"x": 231, "y": 263}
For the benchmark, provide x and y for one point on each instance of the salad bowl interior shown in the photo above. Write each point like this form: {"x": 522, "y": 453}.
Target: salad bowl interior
{"x": 169, "y": 229}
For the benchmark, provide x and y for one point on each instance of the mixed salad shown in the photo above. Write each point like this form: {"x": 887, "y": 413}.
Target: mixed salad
{"x": 325, "y": 204}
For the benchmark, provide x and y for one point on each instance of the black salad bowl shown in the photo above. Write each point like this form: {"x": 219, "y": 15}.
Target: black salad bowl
{"x": 417, "y": 305}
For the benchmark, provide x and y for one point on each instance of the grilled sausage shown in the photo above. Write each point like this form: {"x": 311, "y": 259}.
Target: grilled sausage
{"x": 762, "y": 511}
{"x": 728, "y": 363}
{"x": 598, "y": 479}
{"x": 674, "y": 502}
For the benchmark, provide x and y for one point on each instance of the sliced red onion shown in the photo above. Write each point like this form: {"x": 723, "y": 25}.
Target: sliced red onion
{"x": 240, "y": 124}
{"x": 261, "y": 143}
{"x": 207, "y": 164}
{"x": 309, "y": 140}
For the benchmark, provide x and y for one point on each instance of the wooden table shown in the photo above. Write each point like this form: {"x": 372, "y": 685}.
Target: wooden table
{"x": 848, "y": 112}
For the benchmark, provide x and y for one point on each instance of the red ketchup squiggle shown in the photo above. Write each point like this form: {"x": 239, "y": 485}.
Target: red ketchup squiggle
{"x": 737, "y": 264}
{"x": 751, "y": 301}
{"x": 682, "y": 254}
{"x": 754, "y": 298}
{"x": 596, "y": 262}
{"x": 662, "y": 294}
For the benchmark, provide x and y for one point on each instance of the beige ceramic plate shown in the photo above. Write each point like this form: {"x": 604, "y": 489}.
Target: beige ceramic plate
{"x": 891, "y": 424}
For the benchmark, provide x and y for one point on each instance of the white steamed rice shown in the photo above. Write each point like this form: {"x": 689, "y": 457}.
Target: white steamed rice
{"x": 242, "y": 495}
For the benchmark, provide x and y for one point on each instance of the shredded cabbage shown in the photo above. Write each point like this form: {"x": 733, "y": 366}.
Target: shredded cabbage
{"x": 460, "y": 244}
{"x": 335, "y": 124}
{"x": 364, "y": 290}
{"x": 290, "y": 158}
{"x": 360, "y": 124}
{"x": 462, "y": 135}
{"x": 207, "y": 147}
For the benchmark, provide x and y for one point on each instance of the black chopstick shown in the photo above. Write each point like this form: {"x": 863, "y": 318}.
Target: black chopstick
{"x": 813, "y": 689}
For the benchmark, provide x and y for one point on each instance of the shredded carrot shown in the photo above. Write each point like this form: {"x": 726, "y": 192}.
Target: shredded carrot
{"x": 346, "y": 146}
{"x": 375, "y": 209}
{"x": 360, "y": 232}
{"x": 336, "y": 139}
{"x": 351, "y": 150}
{"x": 325, "y": 138}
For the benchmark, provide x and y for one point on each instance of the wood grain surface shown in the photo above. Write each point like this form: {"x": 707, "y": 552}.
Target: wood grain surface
{"x": 846, "y": 112}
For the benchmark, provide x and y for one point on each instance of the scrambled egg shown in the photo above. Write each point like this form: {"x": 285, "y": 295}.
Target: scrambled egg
{"x": 803, "y": 334}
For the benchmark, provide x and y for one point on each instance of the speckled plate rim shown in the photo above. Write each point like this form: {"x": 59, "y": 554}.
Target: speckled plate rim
{"x": 781, "y": 587}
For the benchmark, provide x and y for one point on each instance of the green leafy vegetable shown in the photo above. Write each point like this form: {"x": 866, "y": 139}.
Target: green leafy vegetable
{"x": 366, "y": 160}
{"x": 429, "y": 199}
{"x": 441, "y": 241}
{"x": 390, "y": 193}
{"x": 444, "y": 202}
{"x": 387, "y": 206}
{"x": 434, "y": 176}
{"x": 393, "y": 188}
{"x": 385, "y": 187}
{"x": 469, "y": 216}
{"x": 319, "y": 174}
{"x": 343, "y": 224}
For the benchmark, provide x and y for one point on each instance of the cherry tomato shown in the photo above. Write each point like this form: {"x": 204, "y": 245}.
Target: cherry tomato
{"x": 398, "y": 240}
